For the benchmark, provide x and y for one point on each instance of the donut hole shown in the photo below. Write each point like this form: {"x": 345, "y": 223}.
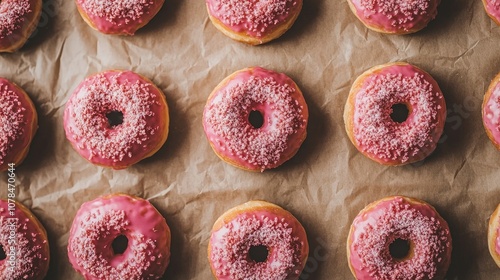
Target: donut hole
{"x": 3, "y": 255}
{"x": 115, "y": 118}
{"x": 256, "y": 119}
{"x": 258, "y": 253}
{"x": 120, "y": 244}
{"x": 399, "y": 249}
{"x": 400, "y": 112}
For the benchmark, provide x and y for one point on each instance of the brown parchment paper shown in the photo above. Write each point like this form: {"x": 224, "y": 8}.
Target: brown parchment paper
{"x": 325, "y": 185}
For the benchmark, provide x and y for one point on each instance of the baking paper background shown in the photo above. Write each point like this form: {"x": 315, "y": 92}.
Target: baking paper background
{"x": 325, "y": 185}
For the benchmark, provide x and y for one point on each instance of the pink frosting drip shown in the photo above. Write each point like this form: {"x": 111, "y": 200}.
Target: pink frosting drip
{"x": 396, "y": 15}
{"x": 491, "y": 114}
{"x": 98, "y": 222}
{"x": 14, "y": 127}
{"x": 116, "y": 16}
{"x": 493, "y": 8}
{"x": 254, "y": 17}
{"x": 285, "y": 118}
{"x": 12, "y": 15}
{"x": 88, "y": 128}
{"x": 231, "y": 244}
{"x": 376, "y": 229}
{"x": 31, "y": 250}
{"x": 374, "y": 130}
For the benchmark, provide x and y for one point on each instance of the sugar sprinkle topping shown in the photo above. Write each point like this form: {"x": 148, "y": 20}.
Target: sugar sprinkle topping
{"x": 257, "y": 16}
{"x": 227, "y": 117}
{"x": 493, "y": 104}
{"x": 12, "y": 119}
{"x": 90, "y": 252}
{"x": 494, "y": 3}
{"x": 30, "y": 253}
{"x": 400, "y": 11}
{"x": 101, "y": 95}
{"x": 230, "y": 253}
{"x": 401, "y": 221}
{"x": 115, "y": 10}
{"x": 12, "y": 15}
{"x": 376, "y": 133}
{"x": 497, "y": 247}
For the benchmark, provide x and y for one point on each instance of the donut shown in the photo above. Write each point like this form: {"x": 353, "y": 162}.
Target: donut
{"x": 116, "y": 118}
{"x": 261, "y": 143}
{"x": 399, "y": 238}
{"x": 491, "y": 111}
{"x": 257, "y": 240}
{"x": 253, "y": 22}
{"x": 492, "y": 8}
{"x": 18, "y": 124}
{"x": 494, "y": 235}
{"x": 119, "y": 236}
{"x": 377, "y": 131}
{"x": 118, "y": 17}
{"x": 395, "y": 16}
{"x": 24, "y": 247}
{"x": 18, "y": 19}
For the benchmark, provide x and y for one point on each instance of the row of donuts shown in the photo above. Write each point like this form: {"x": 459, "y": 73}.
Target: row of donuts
{"x": 255, "y": 119}
{"x": 251, "y": 22}
{"x": 119, "y": 236}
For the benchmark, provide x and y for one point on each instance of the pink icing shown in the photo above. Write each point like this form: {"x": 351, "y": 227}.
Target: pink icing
{"x": 284, "y": 239}
{"x": 98, "y": 222}
{"x": 386, "y": 140}
{"x": 285, "y": 113}
{"x": 12, "y": 15}
{"x": 374, "y": 230}
{"x": 15, "y": 131}
{"x": 493, "y": 8}
{"x": 89, "y": 131}
{"x": 16, "y": 18}
{"x": 124, "y": 16}
{"x": 497, "y": 244}
{"x": 491, "y": 114}
{"x": 256, "y": 18}
{"x": 396, "y": 15}
{"x": 31, "y": 247}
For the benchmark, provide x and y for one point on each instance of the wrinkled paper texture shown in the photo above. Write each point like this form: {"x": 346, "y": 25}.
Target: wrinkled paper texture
{"x": 325, "y": 185}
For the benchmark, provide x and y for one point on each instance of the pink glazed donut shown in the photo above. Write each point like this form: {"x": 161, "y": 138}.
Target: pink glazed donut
{"x": 227, "y": 119}
{"x": 27, "y": 254}
{"x": 491, "y": 111}
{"x": 116, "y": 118}
{"x": 494, "y": 235}
{"x": 257, "y": 240}
{"x": 253, "y": 21}
{"x": 382, "y": 225}
{"x": 18, "y": 19}
{"x": 395, "y": 16}
{"x": 368, "y": 114}
{"x": 100, "y": 223}
{"x": 118, "y": 17}
{"x": 492, "y": 8}
{"x": 18, "y": 124}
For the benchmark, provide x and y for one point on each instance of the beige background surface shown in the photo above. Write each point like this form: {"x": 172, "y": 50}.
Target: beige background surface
{"x": 325, "y": 185}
